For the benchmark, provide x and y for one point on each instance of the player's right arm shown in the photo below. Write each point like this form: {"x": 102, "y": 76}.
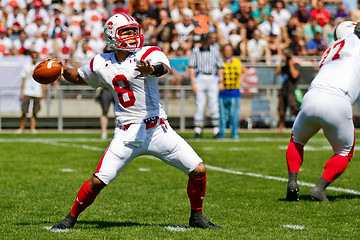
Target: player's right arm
{"x": 72, "y": 75}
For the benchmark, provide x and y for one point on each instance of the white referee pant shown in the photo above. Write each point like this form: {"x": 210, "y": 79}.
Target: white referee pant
{"x": 207, "y": 89}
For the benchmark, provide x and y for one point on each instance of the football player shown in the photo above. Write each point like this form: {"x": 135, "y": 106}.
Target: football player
{"x": 131, "y": 73}
{"x": 327, "y": 105}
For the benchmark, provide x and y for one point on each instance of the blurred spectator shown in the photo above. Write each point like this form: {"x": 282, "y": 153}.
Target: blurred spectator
{"x": 147, "y": 29}
{"x": 74, "y": 21}
{"x": 44, "y": 46}
{"x": 281, "y": 14}
{"x": 269, "y": 27}
{"x": 310, "y": 28}
{"x": 302, "y": 13}
{"x": 5, "y": 43}
{"x": 317, "y": 45}
{"x": 243, "y": 15}
{"x": 22, "y": 44}
{"x": 56, "y": 30}
{"x": 225, "y": 27}
{"x": 119, "y": 7}
{"x": 261, "y": 12}
{"x": 77, "y": 32}
{"x": 64, "y": 46}
{"x": 180, "y": 11}
{"x": 164, "y": 31}
{"x": 218, "y": 14}
{"x": 179, "y": 70}
{"x": 275, "y": 47}
{"x": 30, "y": 91}
{"x": 37, "y": 10}
{"x": 155, "y": 7}
{"x": 93, "y": 14}
{"x": 290, "y": 30}
{"x": 83, "y": 54}
{"x": 34, "y": 30}
{"x": 57, "y": 13}
{"x": 70, "y": 5}
{"x": 257, "y": 49}
{"x": 236, "y": 42}
{"x": 250, "y": 28}
{"x": 97, "y": 44}
{"x": 328, "y": 30}
{"x": 202, "y": 21}
{"x": 184, "y": 28}
{"x": 7, "y": 5}
{"x": 229, "y": 98}
{"x": 320, "y": 13}
{"x": 15, "y": 22}
{"x": 142, "y": 11}
{"x": 341, "y": 11}
{"x": 298, "y": 46}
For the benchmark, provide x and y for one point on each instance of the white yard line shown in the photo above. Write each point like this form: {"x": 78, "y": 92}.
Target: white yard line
{"x": 278, "y": 179}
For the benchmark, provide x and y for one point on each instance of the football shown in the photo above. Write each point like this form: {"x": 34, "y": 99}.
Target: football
{"x": 47, "y": 71}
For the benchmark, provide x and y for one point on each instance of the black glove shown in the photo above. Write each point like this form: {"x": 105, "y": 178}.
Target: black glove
{"x": 357, "y": 30}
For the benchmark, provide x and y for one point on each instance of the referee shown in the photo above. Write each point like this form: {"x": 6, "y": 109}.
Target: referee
{"x": 206, "y": 76}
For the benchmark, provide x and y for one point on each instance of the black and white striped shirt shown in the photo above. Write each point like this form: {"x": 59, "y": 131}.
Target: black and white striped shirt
{"x": 206, "y": 61}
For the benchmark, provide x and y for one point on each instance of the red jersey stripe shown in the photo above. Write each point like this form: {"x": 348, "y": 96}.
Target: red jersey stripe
{"x": 147, "y": 53}
{"x": 92, "y": 64}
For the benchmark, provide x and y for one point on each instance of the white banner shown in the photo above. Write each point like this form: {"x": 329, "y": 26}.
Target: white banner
{"x": 10, "y": 82}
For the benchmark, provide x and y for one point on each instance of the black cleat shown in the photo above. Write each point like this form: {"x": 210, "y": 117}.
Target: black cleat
{"x": 198, "y": 220}
{"x": 68, "y": 222}
{"x": 317, "y": 194}
{"x": 292, "y": 195}
{"x": 292, "y": 191}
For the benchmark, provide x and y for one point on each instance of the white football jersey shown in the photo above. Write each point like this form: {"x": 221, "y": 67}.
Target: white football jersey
{"x": 135, "y": 99}
{"x": 339, "y": 67}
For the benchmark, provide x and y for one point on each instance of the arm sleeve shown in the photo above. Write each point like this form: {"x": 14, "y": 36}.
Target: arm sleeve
{"x": 88, "y": 73}
{"x": 158, "y": 57}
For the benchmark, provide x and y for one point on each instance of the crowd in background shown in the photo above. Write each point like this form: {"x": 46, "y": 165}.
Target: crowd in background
{"x": 257, "y": 29}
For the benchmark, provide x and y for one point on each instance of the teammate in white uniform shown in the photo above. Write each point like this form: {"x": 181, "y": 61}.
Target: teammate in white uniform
{"x": 328, "y": 105}
{"x": 131, "y": 74}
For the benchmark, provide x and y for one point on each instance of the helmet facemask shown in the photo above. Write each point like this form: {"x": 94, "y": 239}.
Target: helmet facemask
{"x": 122, "y": 42}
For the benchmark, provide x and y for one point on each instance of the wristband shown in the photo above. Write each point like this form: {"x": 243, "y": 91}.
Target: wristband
{"x": 158, "y": 70}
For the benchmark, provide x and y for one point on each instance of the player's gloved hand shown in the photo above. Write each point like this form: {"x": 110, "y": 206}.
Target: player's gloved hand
{"x": 357, "y": 30}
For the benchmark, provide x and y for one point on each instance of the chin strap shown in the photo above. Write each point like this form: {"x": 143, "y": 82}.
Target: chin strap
{"x": 357, "y": 30}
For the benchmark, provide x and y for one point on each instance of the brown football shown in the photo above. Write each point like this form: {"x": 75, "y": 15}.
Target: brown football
{"x": 47, "y": 71}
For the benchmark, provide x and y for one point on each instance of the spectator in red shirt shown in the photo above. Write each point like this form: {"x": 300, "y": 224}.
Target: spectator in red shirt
{"x": 320, "y": 13}
{"x": 119, "y": 7}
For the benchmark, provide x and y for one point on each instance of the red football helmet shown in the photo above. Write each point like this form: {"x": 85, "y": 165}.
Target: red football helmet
{"x": 115, "y": 26}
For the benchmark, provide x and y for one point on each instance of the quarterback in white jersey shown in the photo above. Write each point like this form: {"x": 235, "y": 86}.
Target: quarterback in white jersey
{"x": 327, "y": 105}
{"x": 131, "y": 74}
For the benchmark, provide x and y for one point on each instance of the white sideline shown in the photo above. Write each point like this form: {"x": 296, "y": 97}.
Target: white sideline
{"x": 59, "y": 142}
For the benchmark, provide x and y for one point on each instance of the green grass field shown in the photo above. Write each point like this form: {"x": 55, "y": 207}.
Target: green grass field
{"x": 41, "y": 174}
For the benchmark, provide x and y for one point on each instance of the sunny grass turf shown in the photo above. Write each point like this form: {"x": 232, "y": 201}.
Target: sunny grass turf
{"x": 141, "y": 204}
